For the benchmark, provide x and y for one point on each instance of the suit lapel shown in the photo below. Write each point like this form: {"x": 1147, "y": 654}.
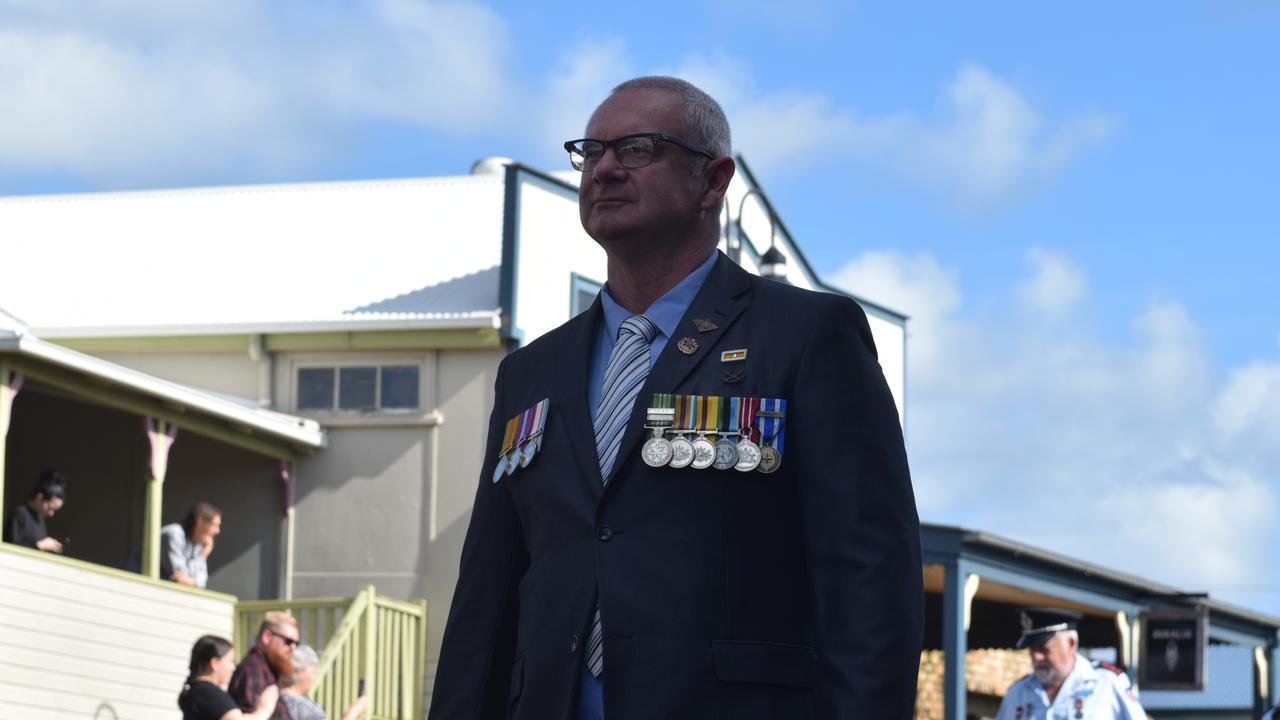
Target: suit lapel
{"x": 573, "y": 388}
{"x": 722, "y": 299}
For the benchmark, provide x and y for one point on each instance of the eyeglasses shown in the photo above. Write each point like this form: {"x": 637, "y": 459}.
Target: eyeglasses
{"x": 633, "y": 151}
{"x": 287, "y": 640}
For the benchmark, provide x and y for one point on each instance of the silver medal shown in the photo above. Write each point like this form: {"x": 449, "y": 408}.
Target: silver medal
{"x": 656, "y": 451}
{"x": 770, "y": 459}
{"x": 748, "y": 455}
{"x": 704, "y": 453}
{"x": 500, "y": 469}
{"x": 527, "y": 452}
{"x": 681, "y": 452}
{"x": 726, "y": 454}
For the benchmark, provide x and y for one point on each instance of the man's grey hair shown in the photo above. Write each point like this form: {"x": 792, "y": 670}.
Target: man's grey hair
{"x": 703, "y": 117}
{"x": 304, "y": 657}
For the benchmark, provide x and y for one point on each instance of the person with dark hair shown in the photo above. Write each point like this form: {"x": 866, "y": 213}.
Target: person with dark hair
{"x": 203, "y": 696}
{"x": 26, "y": 523}
{"x": 185, "y": 547}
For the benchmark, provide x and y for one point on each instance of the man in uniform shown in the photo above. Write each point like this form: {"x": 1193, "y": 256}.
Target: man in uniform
{"x": 1063, "y": 683}
{"x": 641, "y": 546}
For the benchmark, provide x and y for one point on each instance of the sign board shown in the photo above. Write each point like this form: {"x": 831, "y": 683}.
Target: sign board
{"x": 1171, "y": 646}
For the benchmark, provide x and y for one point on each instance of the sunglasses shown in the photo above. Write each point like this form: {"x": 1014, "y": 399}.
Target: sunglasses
{"x": 287, "y": 640}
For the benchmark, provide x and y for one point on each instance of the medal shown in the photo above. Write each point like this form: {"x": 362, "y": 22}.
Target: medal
{"x": 769, "y": 459}
{"x": 656, "y": 451}
{"x": 509, "y": 435}
{"x": 748, "y": 451}
{"x": 707, "y": 412}
{"x": 533, "y": 433}
{"x": 681, "y": 448}
{"x": 771, "y": 416}
{"x": 726, "y": 447}
{"x": 681, "y": 452}
{"x": 521, "y": 440}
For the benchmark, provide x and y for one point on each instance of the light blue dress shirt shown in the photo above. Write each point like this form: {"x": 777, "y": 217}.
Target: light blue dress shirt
{"x": 665, "y": 312}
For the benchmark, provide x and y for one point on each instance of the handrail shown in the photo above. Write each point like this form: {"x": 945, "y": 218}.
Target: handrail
{"x": 367, "y": 637}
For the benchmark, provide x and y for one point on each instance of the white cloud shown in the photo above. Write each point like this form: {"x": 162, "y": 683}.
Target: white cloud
{"x": 988, "y": 146}
{"x": 166, "y": 92}
{"x": 1058, "y": 284}
{"x": 1139, "y": 455}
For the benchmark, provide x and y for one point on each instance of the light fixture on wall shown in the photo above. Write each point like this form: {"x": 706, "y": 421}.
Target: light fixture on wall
{"x": 773, "y": 264}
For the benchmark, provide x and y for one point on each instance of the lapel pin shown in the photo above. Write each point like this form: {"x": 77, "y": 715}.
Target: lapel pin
{"x": 729, "y": 356}
{"x": 687, "y": 345}
{"x": 704, "y": 325}
{"x": 734, "y": 376}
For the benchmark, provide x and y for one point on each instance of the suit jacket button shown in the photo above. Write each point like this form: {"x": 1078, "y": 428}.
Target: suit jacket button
{"x": 604, "y": 533}
{"x": 573, "y": 643}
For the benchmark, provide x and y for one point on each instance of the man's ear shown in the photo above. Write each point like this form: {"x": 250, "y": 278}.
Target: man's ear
{"x": 718, "y": 173}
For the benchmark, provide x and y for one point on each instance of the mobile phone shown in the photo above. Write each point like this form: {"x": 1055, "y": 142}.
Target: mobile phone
{"x": 360, "y": 688}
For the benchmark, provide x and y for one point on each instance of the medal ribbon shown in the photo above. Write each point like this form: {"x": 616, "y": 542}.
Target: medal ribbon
{"x": 772, "y": 416}
{"x": 747, "y": 419}
{"x": 708, "y": 413}
{"x": 509, "y": 437}
{"x": 657, "y": 421}
{"x": 735, "y": 415}
{"x": 526, "y": 425}
{"x": 685, "y": 416}
{"x": 540, "y": 420}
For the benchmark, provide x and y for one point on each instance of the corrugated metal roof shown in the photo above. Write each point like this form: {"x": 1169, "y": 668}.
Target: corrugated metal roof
{"x": 1228, "y": 684}
{"x": 476, "y": 292}
{"x": 11, "y": 325}
{"x": 248, "y": 254}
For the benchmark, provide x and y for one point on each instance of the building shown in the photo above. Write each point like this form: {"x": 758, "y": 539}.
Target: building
{"x": 976, "y": 581}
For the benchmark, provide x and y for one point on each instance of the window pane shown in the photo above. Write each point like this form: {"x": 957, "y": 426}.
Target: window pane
{"x": 315, "y": 388}
{"x": 356, "y": 388}
{"x": 400, "y": 386}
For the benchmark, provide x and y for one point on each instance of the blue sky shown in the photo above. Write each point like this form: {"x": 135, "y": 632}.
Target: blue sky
{"x": 1076, "y": 203}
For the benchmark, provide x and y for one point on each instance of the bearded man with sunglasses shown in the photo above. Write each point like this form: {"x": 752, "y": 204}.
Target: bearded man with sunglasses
{"x": 603, "y": 577}
{"x": 269, "y": 660}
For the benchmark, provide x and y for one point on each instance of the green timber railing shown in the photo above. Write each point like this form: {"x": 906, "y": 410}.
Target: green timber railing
{"x": 377, "y": 639}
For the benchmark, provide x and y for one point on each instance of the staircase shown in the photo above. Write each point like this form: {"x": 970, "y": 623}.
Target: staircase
{"x": 369, "y": 637}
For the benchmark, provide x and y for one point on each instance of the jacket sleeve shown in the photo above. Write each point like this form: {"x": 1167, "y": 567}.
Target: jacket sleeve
{"x": 861, "y": 530}
{"x": 473, "y": 678}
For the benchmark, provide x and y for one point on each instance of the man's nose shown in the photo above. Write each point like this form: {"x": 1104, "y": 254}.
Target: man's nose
{"x": 608, "y": 165}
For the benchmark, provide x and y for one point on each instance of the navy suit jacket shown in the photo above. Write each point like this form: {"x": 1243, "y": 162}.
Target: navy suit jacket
{"x": 796, "y": 594}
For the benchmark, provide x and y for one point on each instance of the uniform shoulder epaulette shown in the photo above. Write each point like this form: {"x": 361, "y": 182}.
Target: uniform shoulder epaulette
{"x": 1108, "y": 666}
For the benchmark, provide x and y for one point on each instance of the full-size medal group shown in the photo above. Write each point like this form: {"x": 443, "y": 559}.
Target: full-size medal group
{"x": 709, "y": 431}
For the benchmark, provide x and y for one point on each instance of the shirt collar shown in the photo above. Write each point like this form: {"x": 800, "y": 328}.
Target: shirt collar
{"x": 666, "y": 311}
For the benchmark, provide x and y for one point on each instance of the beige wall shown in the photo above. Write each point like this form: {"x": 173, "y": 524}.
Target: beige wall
{"x": 229, "y": 373}
{"x": 388, "y": 502}
{"x": 80, "y": 642}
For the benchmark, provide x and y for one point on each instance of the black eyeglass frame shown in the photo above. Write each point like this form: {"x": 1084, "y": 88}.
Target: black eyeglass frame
{"x": 656, "y": 137}
{"x": 287, "y": 640}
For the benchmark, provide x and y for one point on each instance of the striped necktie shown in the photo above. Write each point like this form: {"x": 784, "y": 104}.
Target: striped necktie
{"x": 628, "y": 367}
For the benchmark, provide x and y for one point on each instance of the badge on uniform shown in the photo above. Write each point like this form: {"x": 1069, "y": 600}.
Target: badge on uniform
{"x": 521, "y": 440}
{"x": 708, "y": 431}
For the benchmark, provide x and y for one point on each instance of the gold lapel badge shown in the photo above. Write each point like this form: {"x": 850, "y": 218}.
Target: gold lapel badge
{"x": 729, "y": 356}
{"x": 687, "y": 345}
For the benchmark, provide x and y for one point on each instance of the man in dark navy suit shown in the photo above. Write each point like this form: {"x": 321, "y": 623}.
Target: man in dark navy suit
{"x": 607, "y": 575}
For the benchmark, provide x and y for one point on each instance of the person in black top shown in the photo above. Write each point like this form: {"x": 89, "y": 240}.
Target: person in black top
{"x": 203, "y": 696}
{"x": 26, "y": 523}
